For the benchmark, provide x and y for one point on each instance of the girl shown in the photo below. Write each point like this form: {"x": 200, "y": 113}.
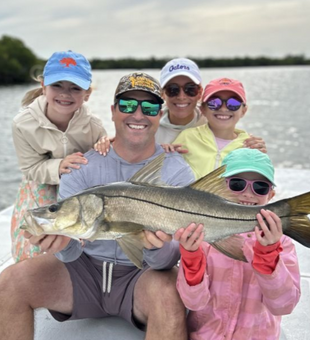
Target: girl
{"x": 223, "y": 104}
{"x": 50, "y": 135}
{"x": 240, "y": 300}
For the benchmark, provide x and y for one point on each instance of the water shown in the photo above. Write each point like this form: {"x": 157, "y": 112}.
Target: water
{"x": 279, "y": 111}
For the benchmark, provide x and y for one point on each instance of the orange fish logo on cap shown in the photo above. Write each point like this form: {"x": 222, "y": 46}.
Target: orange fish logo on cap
{"x": 225, "y": 81}
{"x": 67, "y": 62}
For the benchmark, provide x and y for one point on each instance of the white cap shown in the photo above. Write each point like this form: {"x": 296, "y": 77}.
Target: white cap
{"x": 180, "y": 67}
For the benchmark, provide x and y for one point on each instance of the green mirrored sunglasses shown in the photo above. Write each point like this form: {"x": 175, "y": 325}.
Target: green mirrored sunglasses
{"x": 148, "y": 107}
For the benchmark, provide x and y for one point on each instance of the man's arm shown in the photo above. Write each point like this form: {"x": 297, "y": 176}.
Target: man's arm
{"x": 163, "y": 258}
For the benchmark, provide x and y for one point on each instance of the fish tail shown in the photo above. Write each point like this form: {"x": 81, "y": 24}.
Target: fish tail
{"x": 299, "y": 223}
{"x": 299, "y": 230}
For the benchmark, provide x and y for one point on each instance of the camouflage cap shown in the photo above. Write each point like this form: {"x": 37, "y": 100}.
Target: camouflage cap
{"x": 139, "y": 81}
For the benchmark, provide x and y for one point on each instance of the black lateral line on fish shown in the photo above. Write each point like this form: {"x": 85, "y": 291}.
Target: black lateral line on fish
{"x": 179, "y": 210}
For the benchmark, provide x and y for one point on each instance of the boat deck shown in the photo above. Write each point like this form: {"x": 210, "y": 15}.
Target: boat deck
{"x": 295, "y": 326}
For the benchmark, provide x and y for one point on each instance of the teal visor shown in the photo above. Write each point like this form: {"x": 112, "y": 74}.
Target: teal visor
{"x": 148, "y": 107}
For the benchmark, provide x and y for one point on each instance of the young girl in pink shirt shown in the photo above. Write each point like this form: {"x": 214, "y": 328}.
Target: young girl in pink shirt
{"x": 230, "y": 299}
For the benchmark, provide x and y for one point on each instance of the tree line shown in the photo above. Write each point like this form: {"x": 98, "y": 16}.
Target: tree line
{"x": 18, "y": 63}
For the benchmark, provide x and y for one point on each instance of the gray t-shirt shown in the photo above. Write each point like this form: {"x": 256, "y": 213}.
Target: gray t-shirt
{"x": 112, "y": 168}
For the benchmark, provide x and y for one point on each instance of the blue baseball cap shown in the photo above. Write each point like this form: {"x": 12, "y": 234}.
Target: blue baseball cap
{"x": 69, "y": 66}
{"x": 248, "y": 160}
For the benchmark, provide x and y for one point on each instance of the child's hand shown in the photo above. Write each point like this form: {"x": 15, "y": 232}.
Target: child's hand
{"x": 173, "y": 147}
{"x": 255, "y": 143}
{"x": 103, "y": 145}
{"x": 190, "y": 237}
{"x": 71, "y": 161}
{"x": 271, "y": 228}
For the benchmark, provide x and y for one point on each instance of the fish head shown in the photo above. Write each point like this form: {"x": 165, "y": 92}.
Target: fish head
{"x": 75, "y": 217}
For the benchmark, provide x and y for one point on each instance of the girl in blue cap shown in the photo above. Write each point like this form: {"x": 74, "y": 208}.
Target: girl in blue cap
{"x": 232, "y": 299}
{"x": 50, "y": 135}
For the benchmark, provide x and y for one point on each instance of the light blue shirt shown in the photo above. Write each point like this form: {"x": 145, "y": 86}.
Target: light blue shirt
{"x": 109, "y": 169}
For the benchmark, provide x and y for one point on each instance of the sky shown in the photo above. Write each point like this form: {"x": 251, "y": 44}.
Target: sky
{"x": 160, "y": 28}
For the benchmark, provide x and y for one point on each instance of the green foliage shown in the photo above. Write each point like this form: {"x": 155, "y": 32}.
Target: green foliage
{"x": 130, "y": 63}
{"x": 16, "y": 61}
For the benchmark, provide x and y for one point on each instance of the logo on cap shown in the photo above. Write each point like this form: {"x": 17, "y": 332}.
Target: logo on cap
{"x": 178, "y": 67}
{"x": 225, "y": 81}
{"x": 142, "y": 81}
{"x": 66, "y": 62}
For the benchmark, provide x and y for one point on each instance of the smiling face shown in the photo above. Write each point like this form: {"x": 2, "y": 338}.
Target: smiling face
{"x": 181, "y": 107}
{"x": 248, "y": 197}
{"x": 135, "y": 131}
{"x": 64, "y": 98}
{"x": 223, "y": 121}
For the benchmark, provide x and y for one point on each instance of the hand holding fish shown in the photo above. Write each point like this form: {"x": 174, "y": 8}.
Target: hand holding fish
{"x": 155, "y": 240}
{"x": 50, "y": 244}
{"x": 190, "y": 237}
{"x": 71, "y": 161}
{"x": 255, "y": 143}
{"x": 174, "y": 148}
{"x": 103, "y": 145}
{"x": 271, "y": 228}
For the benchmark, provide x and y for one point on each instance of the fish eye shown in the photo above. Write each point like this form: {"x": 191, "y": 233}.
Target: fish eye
{"x": 53, "y": 208}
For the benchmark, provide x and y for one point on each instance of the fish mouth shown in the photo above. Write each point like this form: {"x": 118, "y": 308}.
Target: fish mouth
{"x": 36, "y": 224}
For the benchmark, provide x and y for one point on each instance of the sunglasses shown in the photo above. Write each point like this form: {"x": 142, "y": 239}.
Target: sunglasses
{"x": 216, "y": 103}
{"x": 173, "y": 90}
{"x": 148, "y": 107}
{"x": 260, "y": 188}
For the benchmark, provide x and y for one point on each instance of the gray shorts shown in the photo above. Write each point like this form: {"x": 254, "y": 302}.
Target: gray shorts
{"x": 89, "y": 300}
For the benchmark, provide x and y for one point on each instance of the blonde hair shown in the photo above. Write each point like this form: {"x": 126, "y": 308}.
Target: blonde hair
{"x": 31, "y": 95}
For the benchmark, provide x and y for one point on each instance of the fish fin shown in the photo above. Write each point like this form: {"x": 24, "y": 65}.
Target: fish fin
{"x": 215, "y": 184}
{"x": 299, "y": 223}
{"x": 150, "y": 174}
{"x": 105, "y": 229}
{"x": 231, "y": 247}
{"x": 132, "y": 246}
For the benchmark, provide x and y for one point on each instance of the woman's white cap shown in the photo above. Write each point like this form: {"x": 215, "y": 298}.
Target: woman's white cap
{"x": 180, "y": 67}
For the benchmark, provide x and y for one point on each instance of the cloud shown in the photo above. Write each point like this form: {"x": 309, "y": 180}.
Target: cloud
{"x": 141, "y": 29}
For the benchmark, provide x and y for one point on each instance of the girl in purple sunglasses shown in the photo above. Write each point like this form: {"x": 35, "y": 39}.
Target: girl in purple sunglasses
{"x": 223, "y": 104}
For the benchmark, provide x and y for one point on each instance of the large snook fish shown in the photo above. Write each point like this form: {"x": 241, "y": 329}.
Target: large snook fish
{"x": 121, "y": 211}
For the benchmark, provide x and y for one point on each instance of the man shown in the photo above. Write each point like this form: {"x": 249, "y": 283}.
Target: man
{"x": 98, "y": 280}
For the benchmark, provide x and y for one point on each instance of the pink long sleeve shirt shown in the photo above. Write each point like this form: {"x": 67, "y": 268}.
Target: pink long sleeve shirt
{"x": 234, "y": 301}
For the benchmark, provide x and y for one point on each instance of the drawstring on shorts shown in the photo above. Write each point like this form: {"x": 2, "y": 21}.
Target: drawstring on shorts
{"x": 107, "y": 279}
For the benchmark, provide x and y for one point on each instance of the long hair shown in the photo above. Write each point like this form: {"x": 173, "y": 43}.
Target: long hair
{"x": 31, "y": 95}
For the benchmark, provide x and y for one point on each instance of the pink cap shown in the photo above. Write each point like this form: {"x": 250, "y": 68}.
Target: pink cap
{"x": 223, "y": 84}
